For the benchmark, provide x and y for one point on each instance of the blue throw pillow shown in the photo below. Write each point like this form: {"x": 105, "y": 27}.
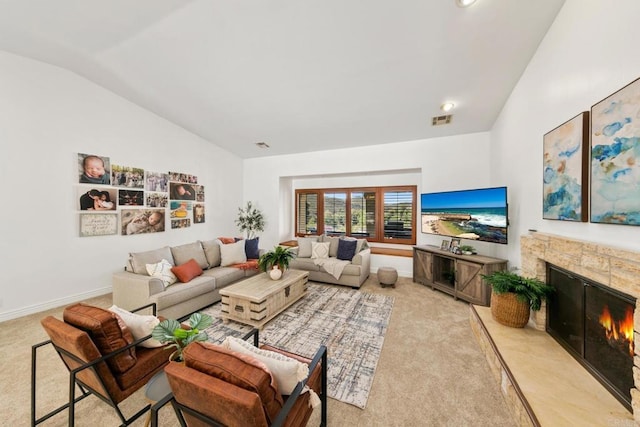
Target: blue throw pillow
{"x": 346, "y": 249}
{"x": 251, "y": 248}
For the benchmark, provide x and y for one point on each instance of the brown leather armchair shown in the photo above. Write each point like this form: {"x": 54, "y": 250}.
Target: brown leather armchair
{"x": 102, "y": 358}
{"x": 218, "y": 387}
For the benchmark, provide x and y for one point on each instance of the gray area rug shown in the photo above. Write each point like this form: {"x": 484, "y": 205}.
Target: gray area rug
{"x": 352, "y": 325}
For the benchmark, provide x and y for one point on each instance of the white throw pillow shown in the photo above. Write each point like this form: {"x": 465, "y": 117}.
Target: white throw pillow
{"x": 139, "y": 325}
{"x": 304, "y": 246}
{"x": 288, "y": 372}
{"x": 162, "y": 271}
{"x": 232, "y": 253}
{"x": 320, "y": 250}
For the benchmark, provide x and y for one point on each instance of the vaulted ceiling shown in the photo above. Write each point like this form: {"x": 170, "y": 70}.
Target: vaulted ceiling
{"x": 300, "y": 75}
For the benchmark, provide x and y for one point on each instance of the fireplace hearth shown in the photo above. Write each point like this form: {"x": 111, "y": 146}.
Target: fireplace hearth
{"x": 594, "y": 323}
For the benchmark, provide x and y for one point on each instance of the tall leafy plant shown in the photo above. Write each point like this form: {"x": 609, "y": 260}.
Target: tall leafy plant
{"x": 250, "y": 220}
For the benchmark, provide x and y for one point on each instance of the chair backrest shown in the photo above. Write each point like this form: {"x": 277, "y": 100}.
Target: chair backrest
{"x": 240, "y": 387}
{"x": 79, "y": 344}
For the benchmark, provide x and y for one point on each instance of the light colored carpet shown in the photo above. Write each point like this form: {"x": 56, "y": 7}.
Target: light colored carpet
{"x": 350, "y": 323}
{"x": 431, "y": 371}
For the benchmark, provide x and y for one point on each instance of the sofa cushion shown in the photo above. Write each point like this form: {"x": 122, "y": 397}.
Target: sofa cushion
{"x": 320, "y": 250}
{"x": 105, "y": 331}
{"x": 139, "y": 260}
{"x": 238, "y": 369}
{"x": 232, "y": 253}
{"x": 187, "y": 271}
{"x": 212, "y": 252}
{"x": 251, "y": 248}
{"x": 287, "y": 371}
{"x": 140, "y": 325}
{"x": 183, "y": 253}
{"x": 304, "y": 246}
{"x": 225, "y": 276}
{"x": 346, "y": 249}
{"x": 333, "y": 244}
{"x": 162, "y": 271}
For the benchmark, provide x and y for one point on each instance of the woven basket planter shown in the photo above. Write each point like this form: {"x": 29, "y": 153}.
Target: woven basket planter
{"x": 508, "y": 310}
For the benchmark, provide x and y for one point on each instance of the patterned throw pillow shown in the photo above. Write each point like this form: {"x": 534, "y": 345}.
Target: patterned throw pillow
{"x": 320, "y": 250}
{"x": 288, "y": 372}
{"x": 162, "y": 271}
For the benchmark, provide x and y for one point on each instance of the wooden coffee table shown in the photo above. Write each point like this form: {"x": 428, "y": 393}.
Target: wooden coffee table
{"x": 258, "y": 299}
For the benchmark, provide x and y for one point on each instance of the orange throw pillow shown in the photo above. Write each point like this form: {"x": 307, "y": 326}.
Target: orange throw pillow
{"x": 227, "y": 240}
{"x": 187, "y": 271}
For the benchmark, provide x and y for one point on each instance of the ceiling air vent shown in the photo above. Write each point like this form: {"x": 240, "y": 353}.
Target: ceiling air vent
{"x": 441, "y": 120}
{"x": 262, "y": 144}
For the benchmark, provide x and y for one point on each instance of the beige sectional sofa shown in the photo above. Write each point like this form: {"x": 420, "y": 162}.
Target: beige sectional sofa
{"x": 355, "y": 270}
{"x": 134, "y": 287}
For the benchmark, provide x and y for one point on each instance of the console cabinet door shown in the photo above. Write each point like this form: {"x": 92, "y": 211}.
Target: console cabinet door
{"x": 422, "y": 265}
{"x": 469, "y": 284}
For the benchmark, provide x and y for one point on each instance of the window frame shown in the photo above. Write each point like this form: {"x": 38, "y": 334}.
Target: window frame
{"x": 379, "y": 211}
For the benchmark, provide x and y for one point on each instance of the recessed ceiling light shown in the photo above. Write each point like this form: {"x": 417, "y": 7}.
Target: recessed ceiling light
{"x": 447, "y": 106}
{"x": 262, "y": 144}
{"x": 465, "y": 3}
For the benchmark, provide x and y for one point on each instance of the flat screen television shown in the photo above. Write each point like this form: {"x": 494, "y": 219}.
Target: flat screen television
{"x": 479, "y": 214}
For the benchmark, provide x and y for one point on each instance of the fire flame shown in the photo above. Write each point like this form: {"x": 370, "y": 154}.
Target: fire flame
{"x": 618, "y": 330}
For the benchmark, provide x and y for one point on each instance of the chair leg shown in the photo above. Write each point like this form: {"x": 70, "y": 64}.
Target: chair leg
{"x": 323, "y": 396}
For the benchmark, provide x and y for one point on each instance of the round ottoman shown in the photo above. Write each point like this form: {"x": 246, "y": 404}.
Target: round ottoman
{"x": 387, "y": 276}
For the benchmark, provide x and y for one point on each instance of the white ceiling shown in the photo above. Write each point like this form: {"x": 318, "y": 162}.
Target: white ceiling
{"x": 300, "y": 75}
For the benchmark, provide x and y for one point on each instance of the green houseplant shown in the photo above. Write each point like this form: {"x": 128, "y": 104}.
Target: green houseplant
{"x": 250, "y": 220}
{"x": 279, "y": 256}
{"x": 170, "y": 330}
{"x": 467, "y": 249}
{"x": 513, "y": 296}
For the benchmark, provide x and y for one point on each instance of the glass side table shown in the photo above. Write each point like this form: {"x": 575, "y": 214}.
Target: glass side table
{"x": 157, "y": 388}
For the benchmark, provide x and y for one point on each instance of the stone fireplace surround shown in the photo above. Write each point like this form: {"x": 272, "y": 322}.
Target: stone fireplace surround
{"x": 607, "y": 265}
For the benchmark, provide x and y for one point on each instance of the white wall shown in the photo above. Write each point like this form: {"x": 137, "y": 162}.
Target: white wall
{"x": 437, "y": 164}
{"x": 47, "y": 116}
{"x": 589, "y": 52}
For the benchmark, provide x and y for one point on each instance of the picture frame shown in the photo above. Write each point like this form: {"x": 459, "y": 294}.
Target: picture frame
{"x": 565, "y": 163}
{"x": 615, "y": 168}
{"x": 444, "y": 245}
{"x": 98, "y": 224}
{"x": 455, "y": 244}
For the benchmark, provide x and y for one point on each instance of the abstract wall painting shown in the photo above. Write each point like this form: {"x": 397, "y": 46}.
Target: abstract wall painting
{"x": 565, "y": 176}
{"x": 615, "y": 157}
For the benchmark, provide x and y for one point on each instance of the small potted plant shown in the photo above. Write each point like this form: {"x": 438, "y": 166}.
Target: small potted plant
{"x": 170, "y": 330}
{"x": 467, "y": 250}
{"x": 277, "y": 259}
{"x": 513, "y": 296}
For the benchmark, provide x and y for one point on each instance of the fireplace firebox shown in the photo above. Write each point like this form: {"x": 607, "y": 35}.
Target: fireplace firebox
{"x": 594, "y": 324}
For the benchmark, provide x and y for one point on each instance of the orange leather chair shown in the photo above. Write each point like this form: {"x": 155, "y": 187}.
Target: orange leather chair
{"x": 217, "y": 387}
{"x": 102, "y": 358}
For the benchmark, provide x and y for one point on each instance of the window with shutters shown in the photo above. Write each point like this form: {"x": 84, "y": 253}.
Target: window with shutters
{"x": 379, "y": 214}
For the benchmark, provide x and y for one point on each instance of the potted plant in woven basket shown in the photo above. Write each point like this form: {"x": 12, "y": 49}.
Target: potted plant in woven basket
{"x": 513, "y": 296}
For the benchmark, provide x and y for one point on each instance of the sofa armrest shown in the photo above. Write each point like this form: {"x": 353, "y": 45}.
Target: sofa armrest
{"x": 131, "y": 290}
{"x": 363, "y": 258}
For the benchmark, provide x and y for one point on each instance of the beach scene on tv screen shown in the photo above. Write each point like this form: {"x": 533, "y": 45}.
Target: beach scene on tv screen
{"x": 472, "y": 214}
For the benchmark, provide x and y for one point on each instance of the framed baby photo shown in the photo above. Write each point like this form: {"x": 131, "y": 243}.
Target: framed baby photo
{"x": 141, "y": 221}
{"x": 444, "y": 245}
{"x": 94, "y": 198}
{"x": 94, "y": 169}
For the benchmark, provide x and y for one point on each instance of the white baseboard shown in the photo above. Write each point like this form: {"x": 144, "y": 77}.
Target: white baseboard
{"x": 14, "y": 314}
